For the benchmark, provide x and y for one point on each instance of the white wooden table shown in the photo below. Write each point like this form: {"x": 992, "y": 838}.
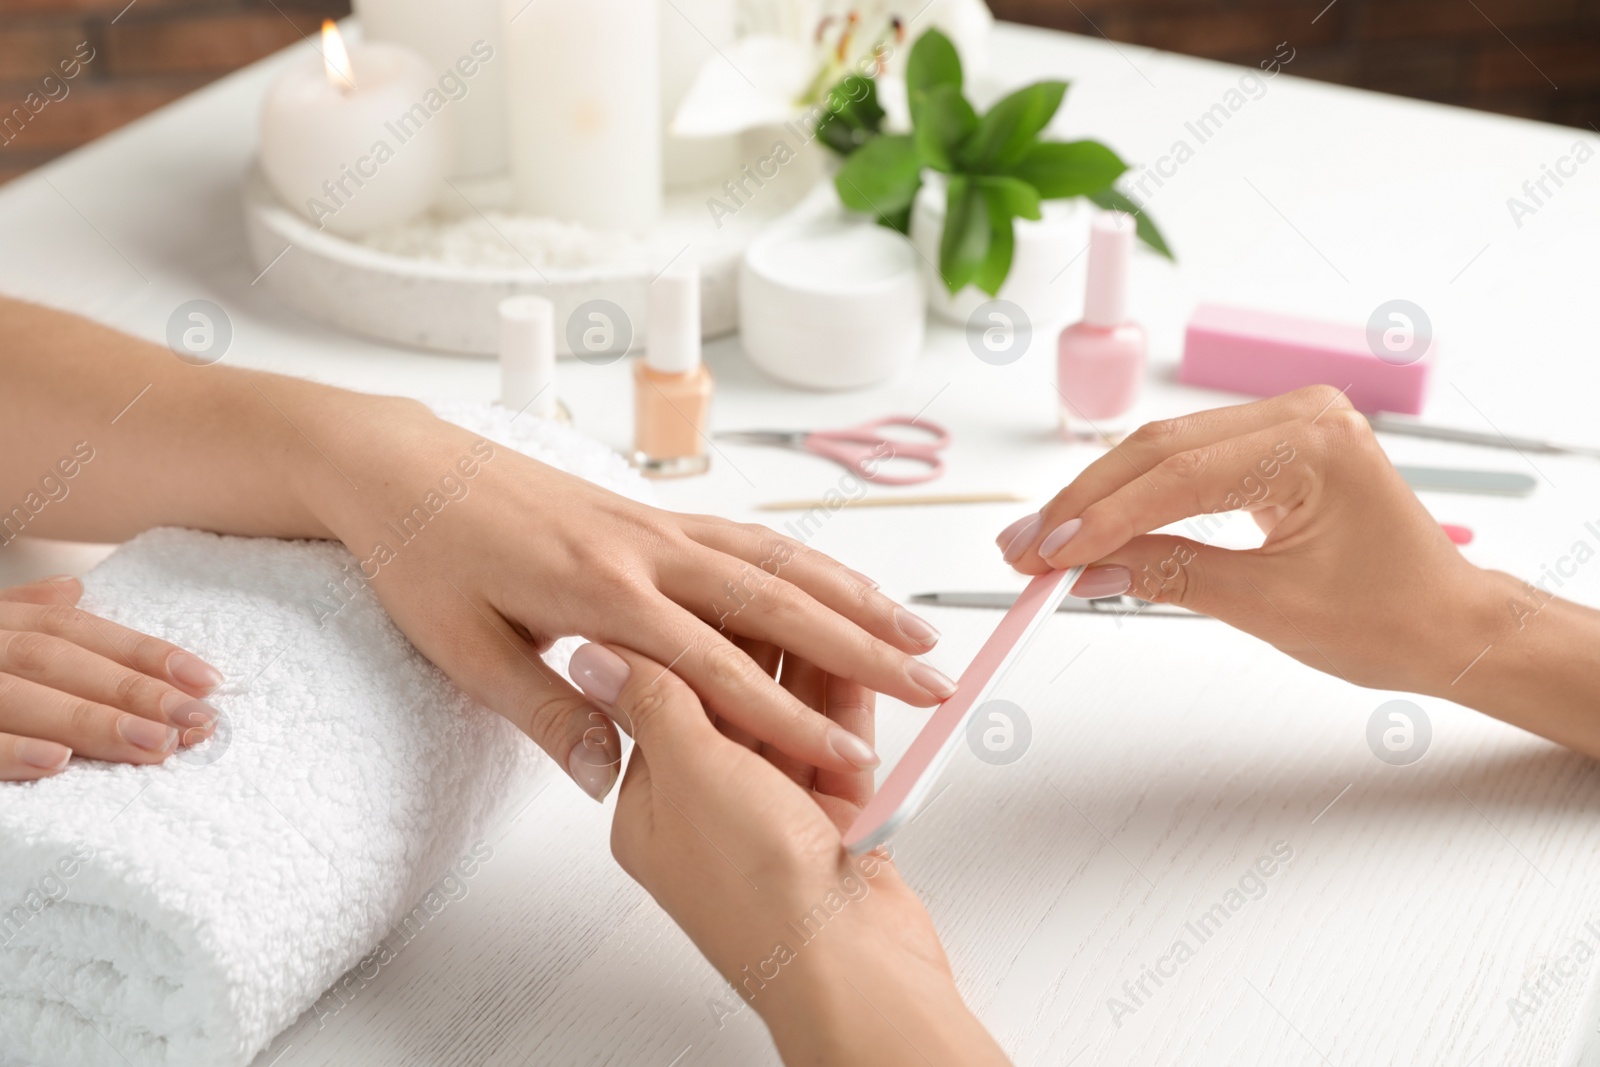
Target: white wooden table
{"x": 1169, "y": 754}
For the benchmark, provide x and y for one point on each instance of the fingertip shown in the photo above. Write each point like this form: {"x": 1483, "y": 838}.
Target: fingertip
{"x": 1005, "y": 537}
{"x": 599, "y": 672}
{"x": 1098, "y": 582}
{"x": 46, "y": 756}
{"x": 595, "y": 759}
{"x": 1050, "y": 549}
{"x": 66, "y": 586}
{"x": 915, "y": 629}
{"x": 1023, "y": 538}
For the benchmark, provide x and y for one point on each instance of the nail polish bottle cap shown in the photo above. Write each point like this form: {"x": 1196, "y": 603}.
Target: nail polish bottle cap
{"x": 1105, "y": 301}
{"x": 528, "y": 355}
{"x": 674, "y": 328}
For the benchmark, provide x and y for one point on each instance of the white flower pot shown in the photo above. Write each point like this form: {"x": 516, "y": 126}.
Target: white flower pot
{"x": 1048, "y": 266}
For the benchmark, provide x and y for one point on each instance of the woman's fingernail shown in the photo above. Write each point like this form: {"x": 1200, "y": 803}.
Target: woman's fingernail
{"x": 1010, "y": 532}
{"x": 917, "y": 629}
{"x": 53, "y": 580}
{"x": 599, "y": 672}
{"x": 930, "y": 679}
{"x": 193, "y": 671}
{"x": 593, "y": 762}
{"x": 851, "y": 748}
{"x": 193, "y": 737}
{"x": 858, "y": 576}
{"x": 1103, "y": 581}
{"x": 181, "y": 709}
{"x": 150, "y": 736}
{"x": 1022, "y": 540}
{"x": 45, "y": 755}
{"x": 1059, "y": 536}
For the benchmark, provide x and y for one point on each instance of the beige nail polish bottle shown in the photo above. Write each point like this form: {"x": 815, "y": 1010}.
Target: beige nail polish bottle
{"x": 671, "y": 386}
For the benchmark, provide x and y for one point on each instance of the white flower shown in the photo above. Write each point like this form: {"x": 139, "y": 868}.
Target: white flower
{"x": 793, "y": 51}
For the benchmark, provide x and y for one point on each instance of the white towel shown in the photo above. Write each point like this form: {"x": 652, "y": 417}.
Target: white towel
{"x": 184, "y": 914}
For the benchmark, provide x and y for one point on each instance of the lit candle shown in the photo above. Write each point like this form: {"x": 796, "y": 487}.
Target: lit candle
{"x": 585, "y": 107}
{"x": 352, "y": 139}
{"x": 461, "y": 42}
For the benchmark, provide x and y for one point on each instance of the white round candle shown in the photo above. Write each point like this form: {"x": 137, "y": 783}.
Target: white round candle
{"x": 585, "y": 107}
{"x": 354, "y": 140}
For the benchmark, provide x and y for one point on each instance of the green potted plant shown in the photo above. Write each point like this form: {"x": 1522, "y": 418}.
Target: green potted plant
{"x": 961, "y": 184}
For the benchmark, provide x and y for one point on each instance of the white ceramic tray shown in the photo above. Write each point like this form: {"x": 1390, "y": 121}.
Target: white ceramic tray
{"x": 433, "y": 304}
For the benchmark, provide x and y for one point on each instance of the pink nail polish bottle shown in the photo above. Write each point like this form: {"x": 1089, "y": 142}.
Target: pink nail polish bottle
{"x": 1101, "y": 359}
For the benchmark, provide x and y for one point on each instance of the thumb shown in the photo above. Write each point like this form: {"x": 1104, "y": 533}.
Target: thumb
{"x": 1167, "y": 569}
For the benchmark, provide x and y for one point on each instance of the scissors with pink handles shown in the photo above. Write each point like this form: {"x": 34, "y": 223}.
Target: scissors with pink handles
{"x": 865, "y": 450}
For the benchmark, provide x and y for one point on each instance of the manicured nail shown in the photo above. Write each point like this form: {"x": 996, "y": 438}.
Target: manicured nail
{"x": 930, "y": 679}
{"x": 150, "y": 736}
{"x": 56, "y": 579}
{"x": 1059, "y": 536}
{"x": 599, "y": 672}
{"x": 193, "y": 737}
{"x": 851, "y": 748}
{"x": 862, "y": 578}
{"x": 593, "y": 764}
{"x": 181, "y": 709}
{"x": 917, "y": 629}
{"x": 45, "y": 755}
{"x": 1103, "y": 581}
{"x": 1010, "y": 532}
{"x": 1022, "y": 540}
{"x": 193, "y": 671}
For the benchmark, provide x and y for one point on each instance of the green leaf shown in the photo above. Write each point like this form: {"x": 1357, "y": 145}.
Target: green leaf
{"x": 934, "y": 63}
{"x": 882, "y": 176}
{"x": 1006, "y": 132}
{"x": 1058, "y": 170}
{"x": 965, "y": 242}
{"x": 1145, "y": 227}
{"x": 1002, "y": 237}
{"x": 944, "y": 120}
{"x": 1016, "y": 198}
{"x": 854, "y": 115}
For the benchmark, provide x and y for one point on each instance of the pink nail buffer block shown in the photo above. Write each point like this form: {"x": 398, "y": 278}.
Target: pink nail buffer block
{"x": 1263, "y": 354}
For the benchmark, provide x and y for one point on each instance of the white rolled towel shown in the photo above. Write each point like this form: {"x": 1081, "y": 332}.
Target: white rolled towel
{"x": 184, "y": 914}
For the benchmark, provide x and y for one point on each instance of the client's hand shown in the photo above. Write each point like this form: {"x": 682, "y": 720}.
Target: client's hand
{"x": 72, "y": 682}
{"x": 743, "y": 850}
{"x": 1354, "y": 578}
{"x": 483, "y": 556}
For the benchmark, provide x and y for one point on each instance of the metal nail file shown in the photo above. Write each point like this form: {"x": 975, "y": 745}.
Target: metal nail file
{"x": 1404, "y": 427}
{"x": 1119, "y": 606}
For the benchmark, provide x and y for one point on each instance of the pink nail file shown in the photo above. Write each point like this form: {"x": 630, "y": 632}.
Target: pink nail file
{"x": 908, "y": 785}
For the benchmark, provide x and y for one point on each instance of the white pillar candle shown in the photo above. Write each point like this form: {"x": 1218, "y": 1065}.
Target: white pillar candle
{"x": 692, "y": 32}
{"x": 585, "y": 108}
{"x": 350, "y": 139}
{"x": 461, "y": 42}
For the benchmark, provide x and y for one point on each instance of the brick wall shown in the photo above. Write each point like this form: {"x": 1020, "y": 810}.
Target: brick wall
{"x": 1539, "y": 59}
{"x": 140, "y": 55}
{"x": 1535, "y": 58}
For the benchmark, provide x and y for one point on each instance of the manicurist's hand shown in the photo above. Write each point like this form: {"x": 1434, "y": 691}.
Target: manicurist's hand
{"x": 741, "y": 846}
{"x": 1354, "y": 578}
{"x": 1353, "y": 573}
{"x": 71, "y": 682}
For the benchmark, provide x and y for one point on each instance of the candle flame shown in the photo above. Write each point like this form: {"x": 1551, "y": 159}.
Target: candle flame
{"x": 335, "y": 58}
